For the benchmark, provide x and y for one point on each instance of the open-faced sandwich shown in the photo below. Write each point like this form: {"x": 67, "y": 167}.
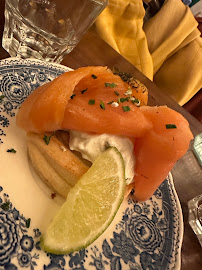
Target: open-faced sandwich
{"x": 74, "y": 118}
{"x": 90, "y": 102}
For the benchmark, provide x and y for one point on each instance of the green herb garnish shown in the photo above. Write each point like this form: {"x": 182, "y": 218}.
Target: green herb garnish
{"x": 11, "y": 150}
{"x": 47, "y": 138}
{"x": 1, "y": 97}
{"x": 91, "y": 102}
{"x": 111, "y": 85}
{"x": 93, "y": 76}
{"x": 28, "y": 222}
{"x": 110, "y": 102}
{"x": 102, "y": 106}
{"x": 5, "y": 206}
{"x": 115, "y": 92}
{"x": 72, "y": 96}
{"x": 124, "y": 99}
{"x": 83, "y": 91}
{"x": 135, "y": 101}
{"x": 126, "y": 108}
{"x": 170, "y": 126}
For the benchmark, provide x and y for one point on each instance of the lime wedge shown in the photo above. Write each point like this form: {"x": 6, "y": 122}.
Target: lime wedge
{"x": 90, "y": 206}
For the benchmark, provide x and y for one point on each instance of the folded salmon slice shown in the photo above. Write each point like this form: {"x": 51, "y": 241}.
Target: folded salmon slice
{"x": 44, "y": 109}
{"x": 50, "y": 108}
{"x": 157, "y": 152}
{"x": 82, "y": 100}
{"x": 102, "y": 117}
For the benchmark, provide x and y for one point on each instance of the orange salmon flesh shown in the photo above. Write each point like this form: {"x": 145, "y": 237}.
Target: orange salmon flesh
{"x": 82, "y": 100}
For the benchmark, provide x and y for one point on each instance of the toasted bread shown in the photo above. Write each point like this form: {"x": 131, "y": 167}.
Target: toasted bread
{"x": 54, "y": 162}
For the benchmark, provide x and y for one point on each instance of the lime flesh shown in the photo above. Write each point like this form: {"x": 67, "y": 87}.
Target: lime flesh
{"x": 90, "y": 206}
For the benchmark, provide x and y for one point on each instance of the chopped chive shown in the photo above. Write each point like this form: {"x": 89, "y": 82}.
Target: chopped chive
{"x": 93, "y": 76}
{"x": 11, "y": 150}
{"x": 126, "y": 108}
{"x": 91, "y": 102}
{"x": 72, "y": 96}
{"x": 111, "y": 85}
{"x": 124, "y": 99}
{"x": 102, "y": 106}
{"x": 47, "y": 138}
{"x": 83, "y": 91}
{"x": 170, "y": 126}
{"x": 28, "y": 222}
{"x": 110, "y": 102}
{"x": 135, "y": 100}
{"x": 115, "y": 92}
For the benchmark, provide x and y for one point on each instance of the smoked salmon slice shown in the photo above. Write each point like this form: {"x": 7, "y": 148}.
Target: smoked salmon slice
{"x": 157, "y": 152}
{"x": 44, "y": 109}
{"x": 94, "y": 100}
{"x": 59, "y": 105}
{"x": 103, "y": 90}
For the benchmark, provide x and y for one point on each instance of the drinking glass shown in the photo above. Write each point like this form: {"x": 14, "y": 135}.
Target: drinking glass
{"x": 195, "y": 205}
{"x": 195, "y": 216}
{"x": 47, "y": 29}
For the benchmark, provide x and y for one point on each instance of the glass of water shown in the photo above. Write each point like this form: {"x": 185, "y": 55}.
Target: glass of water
{"x": 195, "y": 216}
{"x": 47, "y": 29}
{"x": 195, "y": 205}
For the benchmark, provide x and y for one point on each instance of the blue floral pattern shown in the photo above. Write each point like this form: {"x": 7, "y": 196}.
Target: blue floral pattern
{"x": 9, "y": 238}
{"x": 18, "y": 78}
{"x": 14, "y": 241}
{"x": 147, "y": 235}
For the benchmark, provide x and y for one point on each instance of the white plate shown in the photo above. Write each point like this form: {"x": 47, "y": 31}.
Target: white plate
{"x": 142, "y": 236}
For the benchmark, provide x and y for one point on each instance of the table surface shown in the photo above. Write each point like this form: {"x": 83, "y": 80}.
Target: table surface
{"x": 187, "y": 173}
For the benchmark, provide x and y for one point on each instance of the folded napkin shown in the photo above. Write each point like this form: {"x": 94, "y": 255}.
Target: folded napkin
{"x": 167, "y": 48}
{"x": 120, "y": 25}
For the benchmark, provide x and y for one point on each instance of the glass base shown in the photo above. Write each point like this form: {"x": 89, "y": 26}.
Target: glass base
{"x": 195, "y": 216}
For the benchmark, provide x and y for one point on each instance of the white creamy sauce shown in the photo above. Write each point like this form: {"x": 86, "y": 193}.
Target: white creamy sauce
{"x": 91, "y": 146}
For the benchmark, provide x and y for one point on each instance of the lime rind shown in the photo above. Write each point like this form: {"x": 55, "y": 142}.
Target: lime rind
{"x": 57, "y": 240}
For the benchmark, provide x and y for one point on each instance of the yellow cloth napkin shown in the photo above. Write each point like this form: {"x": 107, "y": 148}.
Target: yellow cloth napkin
{"x": 120, "y": 25}
{"x": 176, "y": 49}
{"x": 169, "y": 47}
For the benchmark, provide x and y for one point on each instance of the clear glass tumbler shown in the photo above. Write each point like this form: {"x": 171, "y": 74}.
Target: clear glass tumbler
{"x": 195, "y": 216}
{"x": 47, "y": 29}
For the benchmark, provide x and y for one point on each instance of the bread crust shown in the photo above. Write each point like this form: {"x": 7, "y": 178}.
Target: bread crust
{"x": 54, "y": 162}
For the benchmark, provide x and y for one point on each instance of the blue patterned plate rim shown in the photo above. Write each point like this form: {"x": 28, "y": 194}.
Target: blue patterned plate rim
{"x": 144, "y": 235}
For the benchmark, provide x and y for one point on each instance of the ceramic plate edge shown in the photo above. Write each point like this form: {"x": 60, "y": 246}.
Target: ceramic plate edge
{"x": 179, "y": 209}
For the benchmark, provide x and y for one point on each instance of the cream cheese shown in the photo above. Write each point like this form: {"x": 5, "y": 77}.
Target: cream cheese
{"x": 91, "y": 146}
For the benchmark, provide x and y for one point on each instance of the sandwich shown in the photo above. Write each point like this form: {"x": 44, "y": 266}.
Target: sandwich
{"x": 72, "y": 119}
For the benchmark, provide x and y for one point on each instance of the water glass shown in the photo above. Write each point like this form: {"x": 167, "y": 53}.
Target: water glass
{"x": 195, "y": 216}
{"x": 47, "y": 29}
